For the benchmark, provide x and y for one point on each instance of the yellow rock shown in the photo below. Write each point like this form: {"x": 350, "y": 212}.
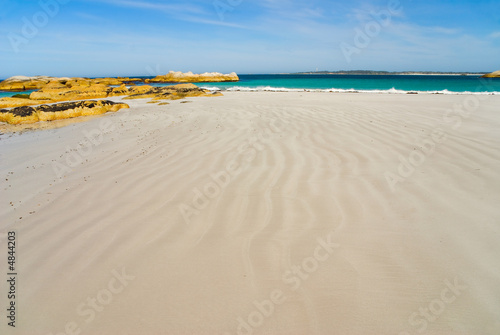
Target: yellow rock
{"x": 495, "y": 74}
{"x": 117, "y": 91}
{"x": 182, "y": 87}
{"x": 173, "y": 92}
{"x": 55, "y": 85}
{"x": 22, "y": 83}
{"x": 57, "y": 91}
{"x": 13, "y": 86}
{"x": 74, "y": 93}
{"x": 189, "y": 77}
{"x": 22, "y": 115}
{"x": 140, "y": 89}
{"x": 17, "y": 102}
{"x": 77, "y": 83}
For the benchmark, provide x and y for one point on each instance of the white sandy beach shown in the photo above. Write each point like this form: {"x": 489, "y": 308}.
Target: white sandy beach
{"x": 259, "y": 213}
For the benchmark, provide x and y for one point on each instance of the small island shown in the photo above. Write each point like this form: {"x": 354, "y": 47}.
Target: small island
{"x": 495, "y": 74}
{"x": 403, "y": 73}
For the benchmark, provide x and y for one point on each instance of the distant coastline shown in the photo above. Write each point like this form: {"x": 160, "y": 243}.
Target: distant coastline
{"x": 404, "y": 73}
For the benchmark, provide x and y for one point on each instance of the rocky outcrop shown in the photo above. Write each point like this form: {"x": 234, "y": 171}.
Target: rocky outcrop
{"x": 189, "y": 77}
{"x": 56, "y": 92}
{"x": 71, "y": 89}
{"x": 19, "y": 102}
{"x": 59, "y": 92}
{"x": 23, "y": 83}
{"x": 174, "y": 92}
{"x": 58, "y": 111}
{"x": 495, "y": 74}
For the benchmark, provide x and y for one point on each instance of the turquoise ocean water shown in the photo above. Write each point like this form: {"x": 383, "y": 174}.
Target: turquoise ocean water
{"x": 356, "y": 83}
{"x": 9, "y": 94}
{"x": 373, "y": 83}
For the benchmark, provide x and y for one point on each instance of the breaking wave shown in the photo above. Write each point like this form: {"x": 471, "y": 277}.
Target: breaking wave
{"x": 339, "y": 90}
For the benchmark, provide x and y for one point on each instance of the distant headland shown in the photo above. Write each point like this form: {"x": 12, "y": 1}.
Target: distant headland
{"x": 407, "y": 73}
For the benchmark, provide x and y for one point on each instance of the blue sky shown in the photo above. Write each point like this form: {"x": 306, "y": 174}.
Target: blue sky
{"x": 133, "y": 37}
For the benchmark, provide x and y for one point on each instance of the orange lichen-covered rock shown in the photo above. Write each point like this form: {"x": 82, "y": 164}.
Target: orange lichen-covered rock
{"x": 55, "y": 85}
{"x": 495, "y": 74}
{"x": 80, "y": 88}
{"x": 20, "y": 115}
{"x": 23, "y": 83}
{"x": 74, "y": 93}
{"x": 140, "y": 89}
{"x": 77, "y": 82}
{"x": 121, "y": 90}
{"x": 16, "y": 86}
{"x": 189, "y": 77}
{"x": 173, "y": 92}
{"x": 19, "y": 102}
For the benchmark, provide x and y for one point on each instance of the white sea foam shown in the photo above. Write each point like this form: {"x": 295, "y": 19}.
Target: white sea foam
{"x": 340, "y": 90}
{"x": 211, "y": 88}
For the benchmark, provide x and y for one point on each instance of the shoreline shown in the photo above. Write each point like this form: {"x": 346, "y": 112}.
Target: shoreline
{"x": 10, "y": 129}
{"x": 341, "y": 91}
{"x": 342, "y": 211}
{"x": 314, "y": 90}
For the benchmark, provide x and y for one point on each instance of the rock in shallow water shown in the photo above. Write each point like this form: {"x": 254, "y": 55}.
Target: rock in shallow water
{"x": 495, "y": 74}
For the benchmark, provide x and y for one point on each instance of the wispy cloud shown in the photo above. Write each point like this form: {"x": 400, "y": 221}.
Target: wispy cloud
{"x": 172, "y": 8}
{"x": 440, "y": 30}
{"x": 88, "y": 16}
{"x": 495, "y": 34}
{"x": 196, "y": 19}
{"x": 287, "y": 9}
{"x": 181, "y": 11}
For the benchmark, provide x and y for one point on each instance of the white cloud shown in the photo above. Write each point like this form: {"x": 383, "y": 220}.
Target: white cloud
{"x": 441, "y": 30}
{"x": 88, "y": 16}
{"x": 495, "y": 34}
{"x": 168, "y": 8}
{"x": 212, "y": 22}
